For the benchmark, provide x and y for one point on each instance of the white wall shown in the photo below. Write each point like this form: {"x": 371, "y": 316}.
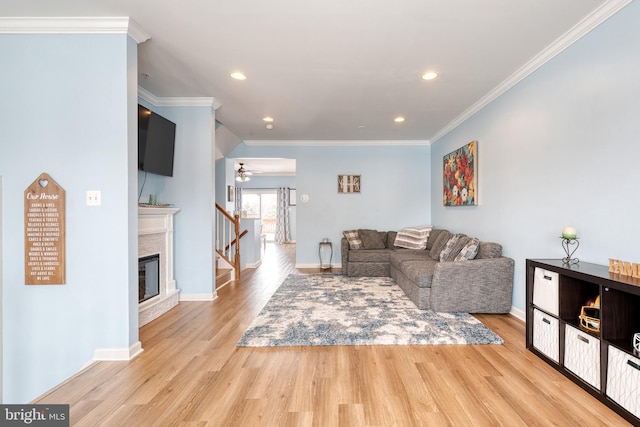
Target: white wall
{"x": 560, "y": 148}
{"x": 395, "y": 190}
{"x": 64, "y": 110}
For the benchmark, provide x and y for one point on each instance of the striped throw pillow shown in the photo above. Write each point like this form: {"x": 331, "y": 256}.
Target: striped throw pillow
{"x": 413, "y": 237}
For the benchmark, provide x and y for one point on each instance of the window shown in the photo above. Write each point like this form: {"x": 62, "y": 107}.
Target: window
{"x": 260, "y": 203}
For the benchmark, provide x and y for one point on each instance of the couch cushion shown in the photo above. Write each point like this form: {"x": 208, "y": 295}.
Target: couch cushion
{"x": 370, "y": 255}
{"x": 420, "y": 272}
{"x": 368, "y": 269}
{"x": 353, "y": 238}
{"x": 489, "y": 250}
{"x": 451, "y": 251}
{"x": 469, "y": 251}
{"x": 372, "y": 239}
{"x": 413, "y": 237}
{"x": 438, "y": 244}
{"x": 399, "y": 256}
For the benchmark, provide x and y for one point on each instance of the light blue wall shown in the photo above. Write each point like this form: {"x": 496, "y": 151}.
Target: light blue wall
{"x": 191, "y": 189}
{"x": 64, "y": 108}
{"x": 275, "y": 182}
{"x": 560, "y": 148}
{"x": 221, "y": 183}
{"x": 396, "y": 191}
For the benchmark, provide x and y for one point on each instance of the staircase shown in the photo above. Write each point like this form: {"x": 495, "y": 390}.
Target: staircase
{"x": 228, "y": 237}
{"x": 223, "y": 276}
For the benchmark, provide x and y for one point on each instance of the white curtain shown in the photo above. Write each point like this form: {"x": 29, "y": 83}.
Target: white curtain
{"x": 283, "y": 230}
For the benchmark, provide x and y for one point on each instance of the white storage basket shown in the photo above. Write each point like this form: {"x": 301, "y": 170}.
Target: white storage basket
{"x": 546, "y": 337}
{"x": 582, "y": 355}
{"x": 623, "y": 380}
{"x": 545, "y": 290}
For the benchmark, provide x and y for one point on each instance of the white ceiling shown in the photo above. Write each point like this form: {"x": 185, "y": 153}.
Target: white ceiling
{"x": 340, "y": 69}
{"x": 267, "y": 166}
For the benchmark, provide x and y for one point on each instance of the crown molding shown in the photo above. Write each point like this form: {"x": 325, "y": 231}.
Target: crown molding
{"x": 74, "y": 25}
{"x": 332, "y": 143}
{"x": 591, "y": 21}
{"x": 177, "y": 101}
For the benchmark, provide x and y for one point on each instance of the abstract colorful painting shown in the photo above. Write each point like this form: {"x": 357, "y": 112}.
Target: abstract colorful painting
{"x": 460, "y": 176}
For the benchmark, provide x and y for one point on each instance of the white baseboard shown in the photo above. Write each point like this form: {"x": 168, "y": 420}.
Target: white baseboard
{"x": 334, "y": 266}
{"x": 118, "y": 353}
{"x": 254, "y": 265}
{"x": 518, "y": 313}
{"x": 198, "y": 297}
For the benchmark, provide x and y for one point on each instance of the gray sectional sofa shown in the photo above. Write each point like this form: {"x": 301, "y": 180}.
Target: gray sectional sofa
{"x": 482, "y": 284}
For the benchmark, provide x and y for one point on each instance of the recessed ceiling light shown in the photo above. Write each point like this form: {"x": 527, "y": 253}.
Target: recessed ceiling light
{"x": 268, "y": 119}
{"x": 429, "y": 75}
{"x": 399, "y": 119}
{"x": 237, "y": 75}
{"x": 269, "y": 126}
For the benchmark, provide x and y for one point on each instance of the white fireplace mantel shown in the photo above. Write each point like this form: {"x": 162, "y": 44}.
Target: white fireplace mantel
{"x": 155, "y": 236}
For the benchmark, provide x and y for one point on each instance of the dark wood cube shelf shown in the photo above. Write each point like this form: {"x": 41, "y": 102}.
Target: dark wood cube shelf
{"x": 578, "y": 284}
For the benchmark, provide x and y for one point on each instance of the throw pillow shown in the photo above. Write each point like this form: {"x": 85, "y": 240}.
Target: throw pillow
{"x": 469, "y": 251}
{"x": 353, "y": 238}
{"x": 457, "y": 247}
{"x": 438, "y": 244}
{"x": 448, "y": 247}
{"x": 413, "y": 237}
{"x": 371, "y": 239}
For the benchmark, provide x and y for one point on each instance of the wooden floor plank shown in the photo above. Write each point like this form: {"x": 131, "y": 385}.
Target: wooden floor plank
{"x": 191, "y": 373}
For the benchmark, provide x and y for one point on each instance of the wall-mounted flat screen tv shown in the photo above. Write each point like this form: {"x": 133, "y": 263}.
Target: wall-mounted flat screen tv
{"x": 156, "y": 142}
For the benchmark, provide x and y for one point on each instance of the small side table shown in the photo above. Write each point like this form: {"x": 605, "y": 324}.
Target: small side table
{"x": 325, "y": 252}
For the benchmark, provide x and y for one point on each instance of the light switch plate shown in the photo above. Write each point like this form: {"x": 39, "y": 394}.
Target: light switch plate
{"x": 94, "y": 198}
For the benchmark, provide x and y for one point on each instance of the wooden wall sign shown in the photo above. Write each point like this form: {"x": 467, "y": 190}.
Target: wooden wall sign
{"x": 624, "y": 268}
{"x": 44, "y": 232}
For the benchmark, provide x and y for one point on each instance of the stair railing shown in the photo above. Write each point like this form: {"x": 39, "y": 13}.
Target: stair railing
{"x": 228, "y": 237}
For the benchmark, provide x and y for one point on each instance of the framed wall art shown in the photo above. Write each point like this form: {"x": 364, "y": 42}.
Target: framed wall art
{"x": 460, "y": 176}
{"x": 348, "y": 183}
{"x": 231, "y": 192}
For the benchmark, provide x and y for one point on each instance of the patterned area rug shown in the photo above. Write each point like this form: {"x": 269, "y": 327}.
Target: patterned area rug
{"x": 327, "y": 309}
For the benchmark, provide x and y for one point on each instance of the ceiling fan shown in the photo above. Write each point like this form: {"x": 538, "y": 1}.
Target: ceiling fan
{"x": 243, "y": 174}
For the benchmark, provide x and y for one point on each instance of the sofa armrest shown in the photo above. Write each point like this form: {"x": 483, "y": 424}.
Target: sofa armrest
{"x": 475, "y": 286}
{"x": 344, "y": 254}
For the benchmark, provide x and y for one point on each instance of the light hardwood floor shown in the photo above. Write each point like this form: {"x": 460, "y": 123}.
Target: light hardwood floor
{"x": 192, "y": 374}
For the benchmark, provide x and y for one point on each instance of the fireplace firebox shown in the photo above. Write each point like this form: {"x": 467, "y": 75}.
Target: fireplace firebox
{"x": 148, "y": 277}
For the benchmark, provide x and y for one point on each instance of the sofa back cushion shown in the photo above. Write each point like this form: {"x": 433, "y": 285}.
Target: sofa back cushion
{"x": 372, "y": 239}
{"x": 433, "y": 236}
{"x": 439, "y": 243}
{"x": 489, "y": 250}
{"x": 391, "y": 238}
